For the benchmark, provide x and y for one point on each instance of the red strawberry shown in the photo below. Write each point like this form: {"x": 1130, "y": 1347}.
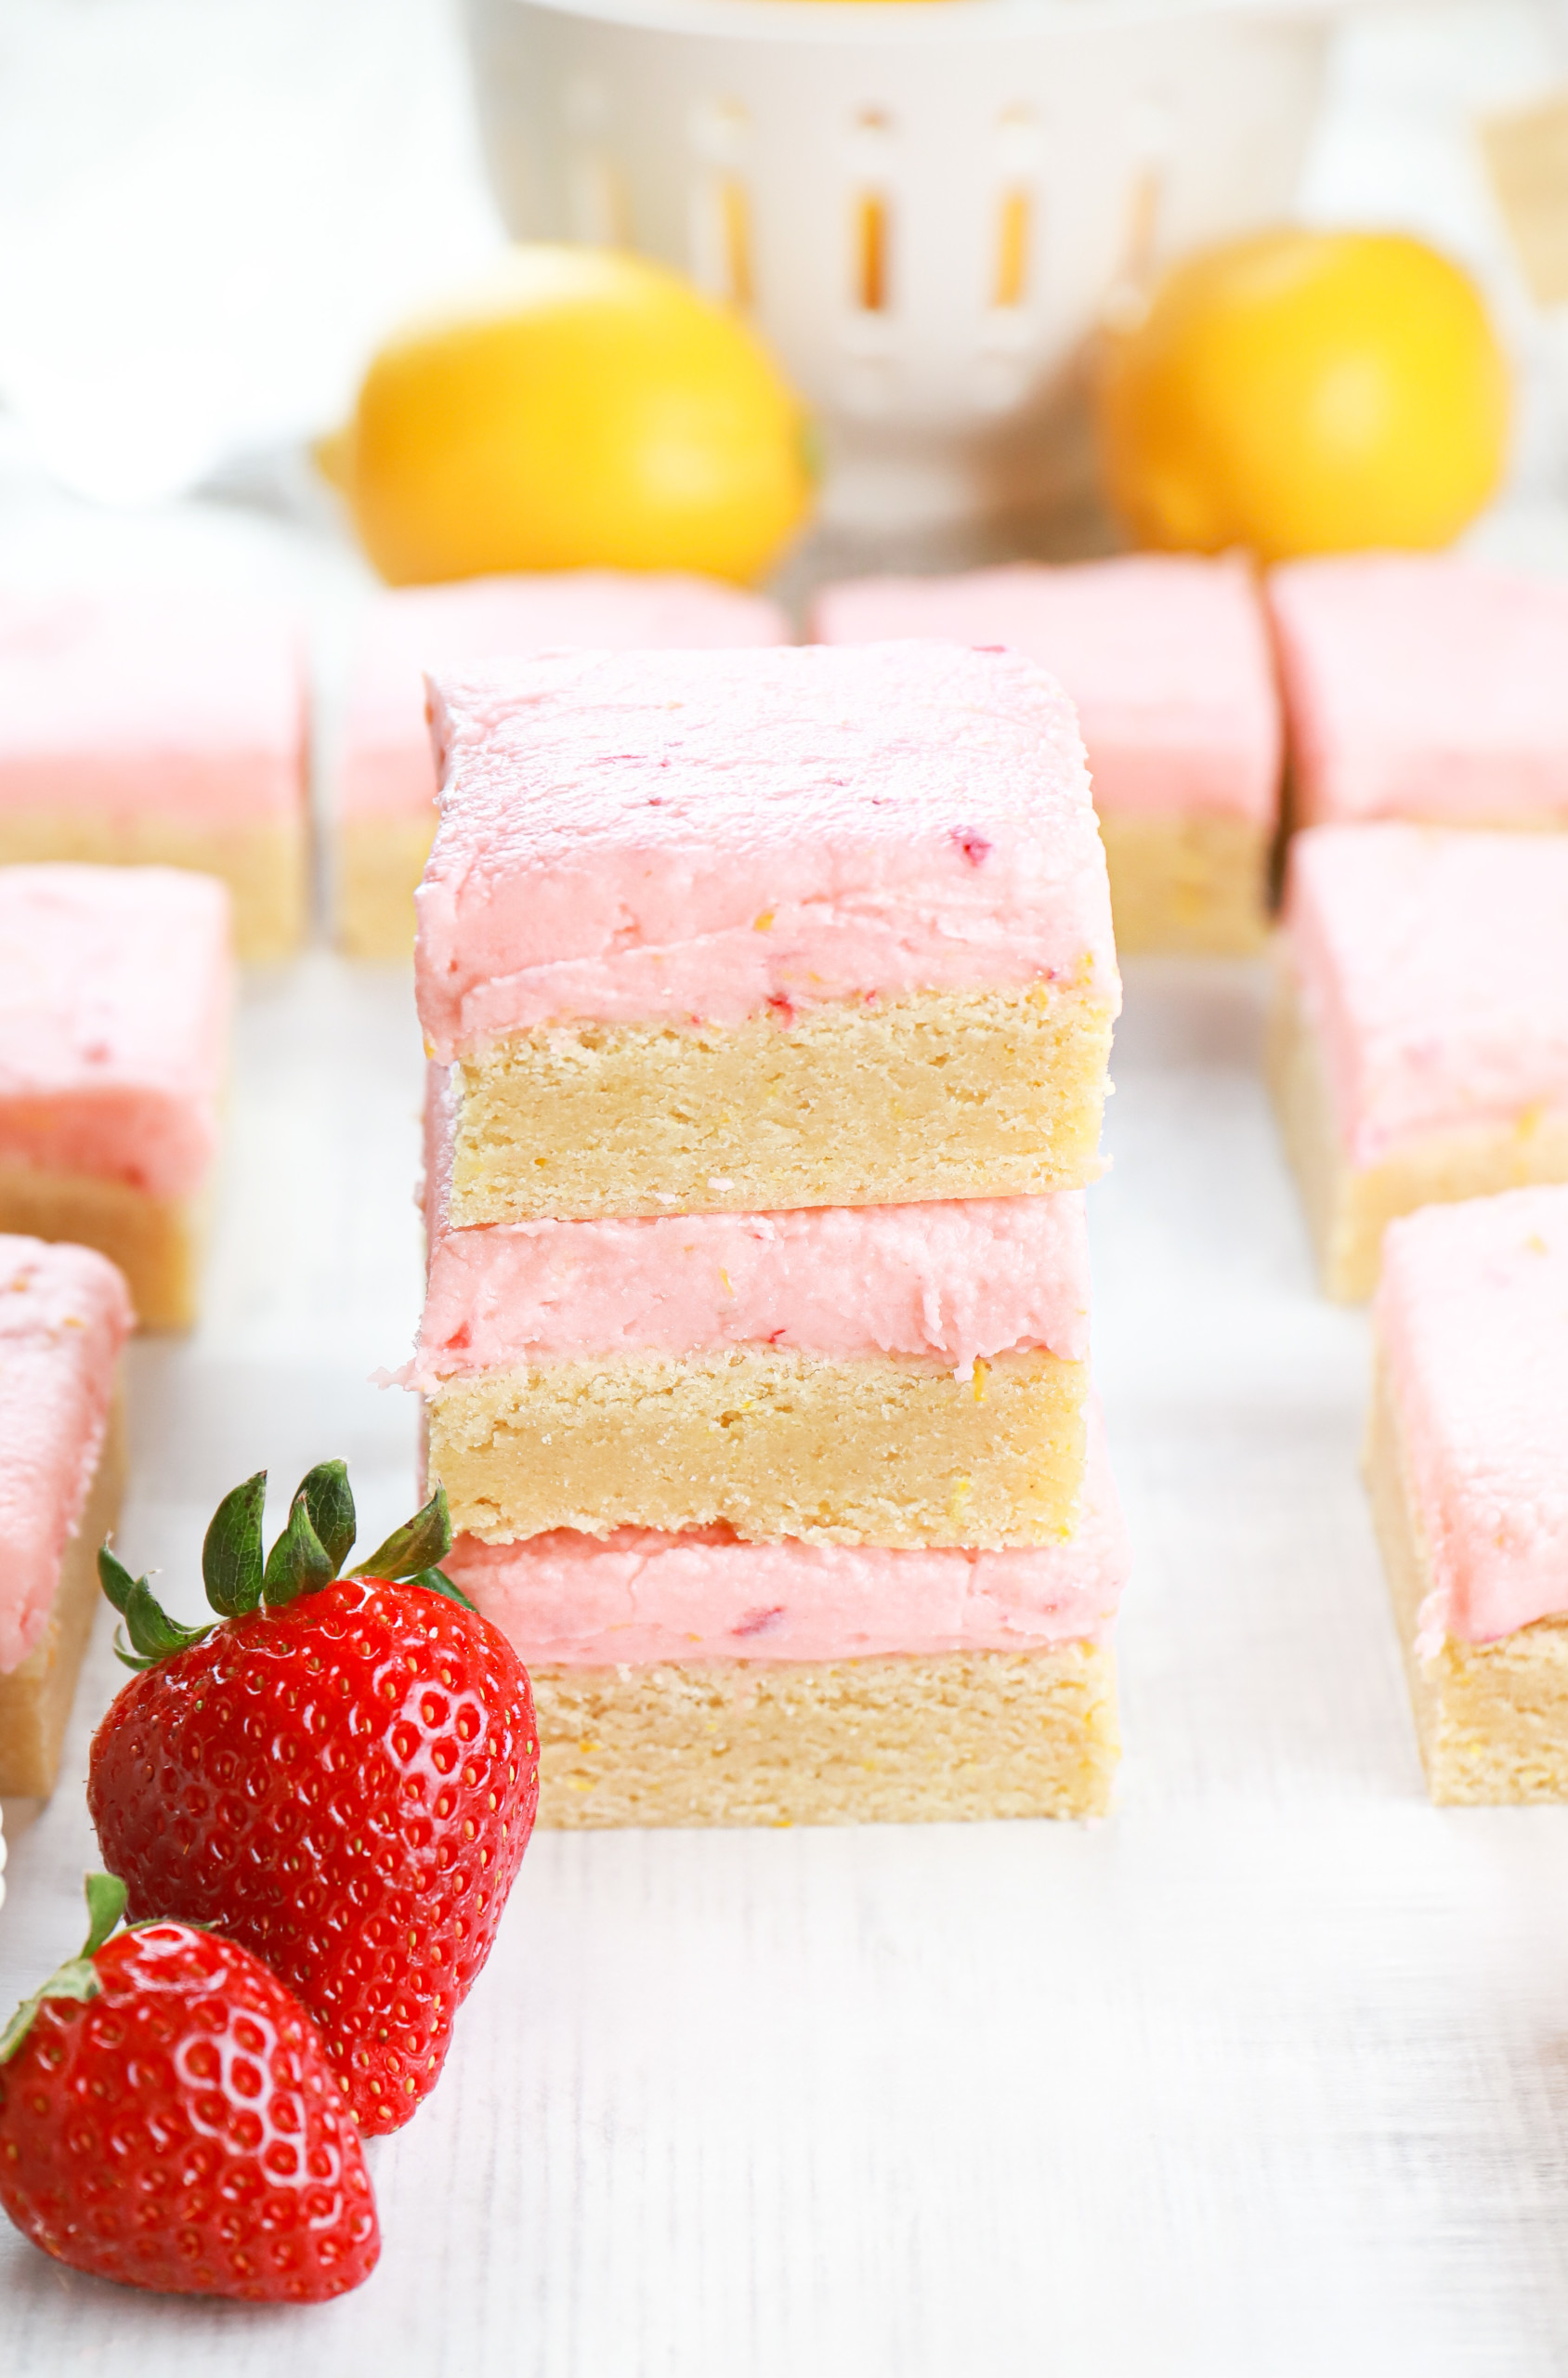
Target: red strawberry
{"x": 168, "y": 2118}
{"x": 343, "y": 1776}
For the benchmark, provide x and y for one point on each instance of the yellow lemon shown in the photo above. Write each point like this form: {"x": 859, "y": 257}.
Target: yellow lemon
{"x": 1305, "y": 392}
{"x": 583, "y": 407}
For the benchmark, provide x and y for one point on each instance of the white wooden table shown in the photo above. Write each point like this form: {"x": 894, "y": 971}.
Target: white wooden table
{"x": 1268, "y": 2073}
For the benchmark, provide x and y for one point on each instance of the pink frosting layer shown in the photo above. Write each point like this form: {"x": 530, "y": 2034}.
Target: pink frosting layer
{"x": 961, "y": 1280}
{"x": 387, "y": 768}
{"x": 151, "y": 703}
{"x": 638, "y": 1596}
{"x": 115, "y": 989}
{"x": 1423, "y": 685}
{"x": 1433, "y": 966}
{"x": 1471, "y": 1316}
{"x": 1166, "y": 656}
{"x": 64, "y": 1316}
{"x": 703, "y": 836}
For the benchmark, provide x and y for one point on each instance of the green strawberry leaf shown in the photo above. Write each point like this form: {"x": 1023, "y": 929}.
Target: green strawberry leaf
{"x": 329, "y": 1502}
{"x": 297, "y": 1562}
{"x": 105, "y": 1905}
{"x": 78, "y": 1977}
{"x": 418, "y": 1544}
{"x": 231, "y": 1554}
{"x": 116, "y": 1579}
{"x": 436, "y": 1581}
{"x": 153, "y": 1632}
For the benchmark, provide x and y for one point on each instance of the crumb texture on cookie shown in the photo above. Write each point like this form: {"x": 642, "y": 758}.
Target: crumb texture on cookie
{"x": 967, "y": 1736}
{"x": 769, "y": 1443}
{"x": 936, "y": 1095}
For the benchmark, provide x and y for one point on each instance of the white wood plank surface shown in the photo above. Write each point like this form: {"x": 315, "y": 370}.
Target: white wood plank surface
{"x": 1268, "y": 2073}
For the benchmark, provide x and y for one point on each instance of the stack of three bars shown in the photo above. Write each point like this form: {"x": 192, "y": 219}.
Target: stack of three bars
{"x": 768, "y": 996}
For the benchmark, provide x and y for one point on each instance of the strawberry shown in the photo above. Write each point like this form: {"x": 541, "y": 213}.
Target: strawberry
{"x": 168, "y": 2118}
{"x": 342, "y": 1774}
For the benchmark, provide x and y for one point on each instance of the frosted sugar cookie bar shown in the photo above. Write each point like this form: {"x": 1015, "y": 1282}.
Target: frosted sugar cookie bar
{"x": 1167, "y": 660}
{"x": 115, "y": 990}
{"x": 64, "y": 1315}
{"x": 1424, "y": 686}
{"x": 1468, "y": 1467}
{"x": 693, "y": 1680}
{"x": 760, "y": 930}
{"x": 385, "y": 774}
{"x": 909, "y": 1375}
{"x": 151, "y": 728}
{"x": 1419, "y": 1044}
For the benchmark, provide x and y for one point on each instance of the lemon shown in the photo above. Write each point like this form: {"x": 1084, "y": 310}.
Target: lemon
{"x": 582, "y": 407}
{"x": 1305, "y": 392}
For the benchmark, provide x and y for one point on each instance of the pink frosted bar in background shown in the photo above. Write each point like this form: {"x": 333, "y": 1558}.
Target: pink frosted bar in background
{"x": 1424, "y": 686}
{"x": 637, "y": 1596}
{"x": 1165, "y": 657}
{"x": 385, "y": 767}
{"x": 684, "y": 835}
{"x": 116, "y": 984}
{"x": 64, "y": 1316}
{"x": 965, "y": 1280}
{"x": 1433, "y": 968}
{"x": 1471, "y": 1318}
{"x": 146, "y": 702}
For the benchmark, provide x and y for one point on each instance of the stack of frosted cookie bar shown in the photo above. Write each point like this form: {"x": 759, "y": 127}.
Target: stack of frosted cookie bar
{"x": 386, "y": 784}
{"x": 1468, "y": 1467}
{"x": 1167, "y": 660}
{"x": 769, "y": 995}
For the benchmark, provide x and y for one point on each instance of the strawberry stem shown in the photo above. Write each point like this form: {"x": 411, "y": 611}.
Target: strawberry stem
{"x": 308, "y": 1554}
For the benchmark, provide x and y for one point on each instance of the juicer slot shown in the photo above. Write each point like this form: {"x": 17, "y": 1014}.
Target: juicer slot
{"x": 871, "y": 273}
{"x": 1017, "y": 155}
{"x": 720, "y": 202}
{"x": 1151, "y": 139}
{"x": 870, "y": 253}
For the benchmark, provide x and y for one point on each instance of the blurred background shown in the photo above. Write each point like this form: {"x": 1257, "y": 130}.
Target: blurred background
{"x": 212, "y": 212}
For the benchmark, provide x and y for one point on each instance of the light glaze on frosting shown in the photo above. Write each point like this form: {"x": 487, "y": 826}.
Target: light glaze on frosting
{"x": 1423, "y": 685}
{"x": 64, "y": 1316}
{"x": 1166, "y": 657}
{"x": 1471, "y": 1318}
{"x": 703, "y": 836}
{"x": 961, "y": 1280}
{"x": 115, "y": 990}
{"x": 1433, "y": 967}
{"x": 149, "y": 703}
{"x": 387, "y": 768}
{"x": 639, "y": 1596}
